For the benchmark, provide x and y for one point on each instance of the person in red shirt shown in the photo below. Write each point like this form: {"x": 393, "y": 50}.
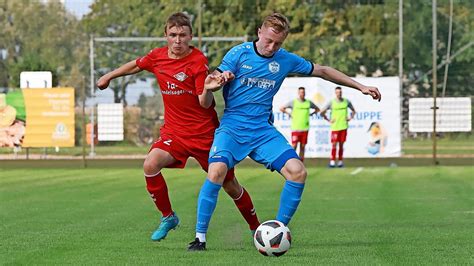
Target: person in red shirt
{"x": 190, "y": 119}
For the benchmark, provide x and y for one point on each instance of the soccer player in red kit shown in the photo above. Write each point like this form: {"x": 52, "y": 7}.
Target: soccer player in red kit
{"x": 190, "y": 119}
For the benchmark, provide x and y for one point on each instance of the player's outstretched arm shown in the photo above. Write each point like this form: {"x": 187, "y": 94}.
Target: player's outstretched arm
{"x": 331, "y": 74}
{"x": 126, "y": 69}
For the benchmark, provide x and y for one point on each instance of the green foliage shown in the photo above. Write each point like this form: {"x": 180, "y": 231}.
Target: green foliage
{"x": 342, "y": 34}
{"x": 40, "y": 36}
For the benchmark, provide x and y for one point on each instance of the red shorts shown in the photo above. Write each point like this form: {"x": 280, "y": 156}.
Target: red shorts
{"x": 181, "y": 149}
{"x": 299, "y": 136}
{"x": 338, "y": 136}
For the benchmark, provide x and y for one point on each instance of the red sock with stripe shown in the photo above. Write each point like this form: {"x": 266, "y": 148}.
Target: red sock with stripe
{"x": 156, "y": 186}
{"x": 245, "y": 205}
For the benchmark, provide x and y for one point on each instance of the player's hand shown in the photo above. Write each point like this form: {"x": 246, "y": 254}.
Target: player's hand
{"x": 372, "y": 91}
{"x": 228, "y": 76}
{"x": 103, "y": 82}
{"x": 214, "y": 82}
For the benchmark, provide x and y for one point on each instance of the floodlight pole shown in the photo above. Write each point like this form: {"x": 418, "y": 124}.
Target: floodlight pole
{"x": 92, "y": 86}
{"x": 435, "y": 82}
{"x": 200, "y": 25}
{"x": 400, "y": 57}
{"x": 448, "y": 52}
{"x": 84, "y": 133}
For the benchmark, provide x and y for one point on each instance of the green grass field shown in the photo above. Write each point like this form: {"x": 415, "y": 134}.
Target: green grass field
{"x": 403, "y": 216}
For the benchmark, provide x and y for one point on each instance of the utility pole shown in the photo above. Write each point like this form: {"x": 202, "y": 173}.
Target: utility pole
{"x": 92, "y": 120}
{"x": 400, "y": 57}
{"x": 84, "y": 134}
{"x": 448, "y": 52}
{"x": 435, "y": 81}
{"x": 200, "y": 25}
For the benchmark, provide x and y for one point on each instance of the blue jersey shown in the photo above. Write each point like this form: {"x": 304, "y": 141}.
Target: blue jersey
{"x": 249, "y": 97}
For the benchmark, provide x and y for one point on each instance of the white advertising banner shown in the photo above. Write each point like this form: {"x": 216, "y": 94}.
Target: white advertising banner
{"x": 110, "y": 121}
{"x": 374, "y": 131}
{"x": 453, "y": 114}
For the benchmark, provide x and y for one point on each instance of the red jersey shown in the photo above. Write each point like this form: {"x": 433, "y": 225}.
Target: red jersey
{"x": 181, "y": 81}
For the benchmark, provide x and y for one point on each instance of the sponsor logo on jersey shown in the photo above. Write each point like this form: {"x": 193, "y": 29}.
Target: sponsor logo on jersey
{"x": 274, "y": 67}
{"x": 167, "y": 142}
{"x": 261, "y": 83}
{"x": 181, "y": 76}
{"x": 246, "y": 66}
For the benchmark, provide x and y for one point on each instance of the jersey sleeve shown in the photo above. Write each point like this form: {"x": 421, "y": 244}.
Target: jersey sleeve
{"x": 312, "y": 105}
{"x": 200, "y": 75}
{"x": 289, "y": 105}
{"x": 349, "y": 105}
{"x": 230, "y": 61}
{"x": 145, "y": 62}
{"x": 300, "y": 65}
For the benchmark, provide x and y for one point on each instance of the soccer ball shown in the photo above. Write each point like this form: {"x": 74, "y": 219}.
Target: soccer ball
{"x": 272, "y": 238}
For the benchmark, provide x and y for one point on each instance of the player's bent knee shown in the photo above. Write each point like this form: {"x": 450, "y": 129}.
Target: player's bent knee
{"x": 151, "y": 166}
{"x": 299, "y": 175}
{"x": 217, "y": 172}
{"x": 295, "y": 171}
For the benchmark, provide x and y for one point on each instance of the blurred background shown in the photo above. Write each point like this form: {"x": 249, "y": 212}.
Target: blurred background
{"x": 358, "y": 37}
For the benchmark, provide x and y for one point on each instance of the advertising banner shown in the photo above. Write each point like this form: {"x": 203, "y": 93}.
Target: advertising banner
{"x": 37, "y": 118}
{"x": 374, "y": 131}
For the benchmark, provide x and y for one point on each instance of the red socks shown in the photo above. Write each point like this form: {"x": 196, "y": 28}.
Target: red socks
{"x": 245, "y": 205}
{"x": 156, "y": 186}
{"x": 333, "y": 152}
{"x": 341, "y": 151}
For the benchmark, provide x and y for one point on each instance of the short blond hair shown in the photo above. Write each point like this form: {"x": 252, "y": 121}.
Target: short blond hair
{"x": 179, "y": 19}
{"x": 278, "y": 22}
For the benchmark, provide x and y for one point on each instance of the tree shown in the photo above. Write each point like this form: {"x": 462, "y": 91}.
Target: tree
{"x": 418, "y": 46}
{"x": 50, "y": 41}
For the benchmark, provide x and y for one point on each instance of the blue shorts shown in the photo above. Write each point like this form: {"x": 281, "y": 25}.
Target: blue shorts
{"x": 267, "y": 146}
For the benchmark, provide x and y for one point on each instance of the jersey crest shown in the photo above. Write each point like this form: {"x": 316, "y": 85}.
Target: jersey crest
{"x": 274, "y": 67}
{"x": 181, "y": 76}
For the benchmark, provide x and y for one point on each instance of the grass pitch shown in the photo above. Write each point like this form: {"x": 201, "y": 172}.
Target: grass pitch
{"x": 410, "y": 215}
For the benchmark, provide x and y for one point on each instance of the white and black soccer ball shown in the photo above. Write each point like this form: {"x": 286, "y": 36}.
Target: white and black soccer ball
{"x": 272, "y": 238}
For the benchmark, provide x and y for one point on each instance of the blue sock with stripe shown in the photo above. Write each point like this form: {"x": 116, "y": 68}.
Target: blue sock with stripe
{"x": 207, "y": 202}
{"x": 289, "y": 200}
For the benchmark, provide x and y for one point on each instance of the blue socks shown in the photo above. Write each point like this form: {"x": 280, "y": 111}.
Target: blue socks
{"x": 207, "y": 202}
{"x": 289, "y": 200}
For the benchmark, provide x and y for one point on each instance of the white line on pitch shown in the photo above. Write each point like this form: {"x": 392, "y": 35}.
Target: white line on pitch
{"x": 358, "y": 170}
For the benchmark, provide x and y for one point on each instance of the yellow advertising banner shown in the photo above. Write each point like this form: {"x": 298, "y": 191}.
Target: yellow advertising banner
{"x": 49, "y": 117}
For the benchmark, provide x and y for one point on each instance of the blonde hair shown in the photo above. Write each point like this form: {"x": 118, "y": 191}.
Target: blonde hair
{"x": 278, "y": 22}
{"x": 179, "y": 19}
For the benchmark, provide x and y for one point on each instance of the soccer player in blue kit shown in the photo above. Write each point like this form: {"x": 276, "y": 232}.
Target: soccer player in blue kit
{"x": 252, "y": 73}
